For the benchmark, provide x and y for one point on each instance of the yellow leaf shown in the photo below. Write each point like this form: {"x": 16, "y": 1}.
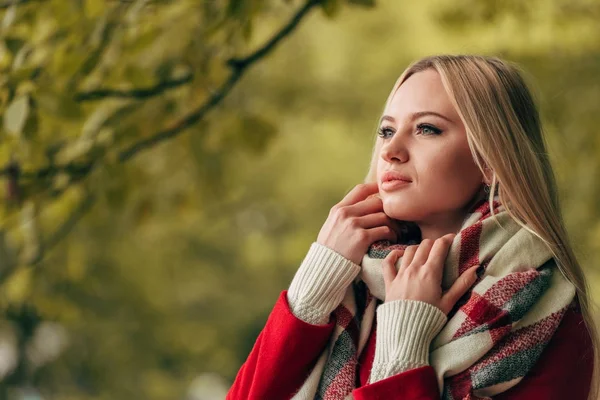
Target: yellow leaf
{"x": 18, "y": 286}
{"x": 16, "y": 115}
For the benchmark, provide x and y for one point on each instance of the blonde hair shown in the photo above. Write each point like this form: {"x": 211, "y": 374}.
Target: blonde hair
{"x": 490, "y": 95}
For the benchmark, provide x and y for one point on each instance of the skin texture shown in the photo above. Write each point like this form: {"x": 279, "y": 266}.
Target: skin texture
{"x": 444, "y": 176}
{"x": 419, "y": 275}
{"x": 444, "y": 180}
{"x": 356, "y": 222}
{"x": 433, "y": 152}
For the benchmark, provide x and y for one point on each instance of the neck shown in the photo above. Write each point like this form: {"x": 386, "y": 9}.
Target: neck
{"x": 443, "y": 224}
{"x": 437, "y": 228}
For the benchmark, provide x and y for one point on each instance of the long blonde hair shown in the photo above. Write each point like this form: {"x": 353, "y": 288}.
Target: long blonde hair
{"x": 505, "y": 134}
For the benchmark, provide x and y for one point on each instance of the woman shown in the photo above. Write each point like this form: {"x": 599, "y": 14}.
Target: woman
{"x": 447, "y": 274}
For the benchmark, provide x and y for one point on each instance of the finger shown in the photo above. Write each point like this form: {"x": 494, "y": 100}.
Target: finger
{"x": 422, "y": 253}
{"x": 441, "y": 246}
{"x": 409, "y": 254}
{"x": 439, "y": 252}
{"x": 375, "y": 219}
{"x": 358, "y": 193}
{"x": 389, "y": 267}
{"x": 379, "y": 219}
{"x": 365, "y": 207}
{"x": 459, "y": 288}
{"x": 381, "y": 233}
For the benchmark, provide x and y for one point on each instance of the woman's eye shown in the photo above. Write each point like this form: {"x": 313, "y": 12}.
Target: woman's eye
{"x": 428, "y": 129}
{"x": 425, "y": 129}
{"x": 383, "y": 132}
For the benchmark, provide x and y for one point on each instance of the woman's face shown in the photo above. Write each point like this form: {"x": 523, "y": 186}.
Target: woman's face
{"x": 431, "y": 151}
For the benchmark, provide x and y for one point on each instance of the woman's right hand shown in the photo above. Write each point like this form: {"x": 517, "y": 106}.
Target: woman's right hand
{"x": 356, "y": 222}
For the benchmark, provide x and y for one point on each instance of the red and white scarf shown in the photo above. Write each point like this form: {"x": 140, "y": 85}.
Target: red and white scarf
{"x": 495, "y": 333}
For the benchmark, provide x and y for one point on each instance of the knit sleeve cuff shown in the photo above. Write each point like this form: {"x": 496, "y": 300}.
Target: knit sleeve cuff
{"x": 320, "y": 284}
{"x": 405, "y": 329}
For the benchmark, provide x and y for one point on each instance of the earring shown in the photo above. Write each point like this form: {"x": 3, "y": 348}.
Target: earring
{"x": 486, "y": 188}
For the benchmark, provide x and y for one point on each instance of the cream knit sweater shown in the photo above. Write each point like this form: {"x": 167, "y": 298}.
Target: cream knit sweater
{"x": 405, "y": 328}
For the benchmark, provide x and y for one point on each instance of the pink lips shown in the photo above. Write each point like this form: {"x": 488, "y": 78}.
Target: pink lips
{"x": 392, "y": 180}
{"x": 393, "y": 185}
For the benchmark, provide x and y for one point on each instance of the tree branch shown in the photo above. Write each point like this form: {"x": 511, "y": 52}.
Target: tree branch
{"x": 239, "y": 67}
{"x": 242, "y": 63}
{"x": 78, "y": 171}
{"x": 63, "y": 230}
{"x": 95, "y": 55}
{"x": 140, "y": 93}
{"x": 74, "y": 170}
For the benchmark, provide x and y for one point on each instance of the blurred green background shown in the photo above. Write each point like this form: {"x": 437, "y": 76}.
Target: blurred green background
{"x": 166, "y": 164}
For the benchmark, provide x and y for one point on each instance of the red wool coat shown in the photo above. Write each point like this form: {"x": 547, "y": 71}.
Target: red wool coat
{"x": 287, "y": 348}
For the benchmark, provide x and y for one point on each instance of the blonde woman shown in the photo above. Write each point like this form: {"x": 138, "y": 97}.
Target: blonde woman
{"x": 448, "y": 273}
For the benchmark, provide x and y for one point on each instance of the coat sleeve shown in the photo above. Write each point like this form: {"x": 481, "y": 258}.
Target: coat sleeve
{"x": 297, "y": 330}
{"x": 563, "y": 371}
{"x": 282, "y": 357}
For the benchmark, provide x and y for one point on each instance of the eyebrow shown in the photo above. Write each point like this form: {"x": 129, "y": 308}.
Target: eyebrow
{"x": 414, "y": 116}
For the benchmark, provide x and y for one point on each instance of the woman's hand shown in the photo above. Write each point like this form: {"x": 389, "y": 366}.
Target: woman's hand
{"x": 356, "y": 222}
{"x": 419, "y": 276}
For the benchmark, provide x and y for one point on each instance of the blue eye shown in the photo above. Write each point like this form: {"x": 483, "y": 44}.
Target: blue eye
{"x": 426, "y": 129}
{"x": 433, "y": 130}
{"x": 383, "y": 130}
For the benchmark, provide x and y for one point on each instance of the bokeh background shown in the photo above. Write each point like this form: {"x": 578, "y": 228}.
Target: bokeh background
{"x": 166, "y": 164}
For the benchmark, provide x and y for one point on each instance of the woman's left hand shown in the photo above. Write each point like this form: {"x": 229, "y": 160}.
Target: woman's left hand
{"x": 419, "y": 276}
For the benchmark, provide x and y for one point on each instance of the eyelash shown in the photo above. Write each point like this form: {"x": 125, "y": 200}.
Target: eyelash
{"x": 436, "y": 131}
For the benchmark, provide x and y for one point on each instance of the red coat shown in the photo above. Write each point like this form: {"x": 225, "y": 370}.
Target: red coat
{"x": 287, "y": 349}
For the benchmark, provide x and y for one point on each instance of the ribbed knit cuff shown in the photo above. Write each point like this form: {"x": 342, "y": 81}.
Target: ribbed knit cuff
{"x": 320, "y": 284}
{"x": 405, "y": 329}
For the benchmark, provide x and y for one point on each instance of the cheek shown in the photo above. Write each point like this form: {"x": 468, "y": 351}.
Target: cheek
{"x": 452, "y": 174}
{"x": 445, "y": 176}
{"x": 380, "y": 166}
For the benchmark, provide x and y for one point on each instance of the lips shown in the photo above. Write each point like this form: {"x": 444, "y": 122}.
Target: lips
{"x": 394, "y": 176}
{"x": 392, "y": 180}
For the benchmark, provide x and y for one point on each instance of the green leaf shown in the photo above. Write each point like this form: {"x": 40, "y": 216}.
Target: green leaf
{"x": 23, "y": 74}
{"x": 8, "y": 257}
{"x": 18, "y": 286}
{"x": 16, "y": 115}
{"x": 331, "y": 8}
{"x": 9, "y": 17}
{"x": 31, "y": 127}
{"x": 14, "y": 44}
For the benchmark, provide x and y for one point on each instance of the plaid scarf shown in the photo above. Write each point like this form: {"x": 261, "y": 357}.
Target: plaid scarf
{"x": 495, "y": 332}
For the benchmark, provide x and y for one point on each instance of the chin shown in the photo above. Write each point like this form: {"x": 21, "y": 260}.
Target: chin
{"x": 399, "y": 212}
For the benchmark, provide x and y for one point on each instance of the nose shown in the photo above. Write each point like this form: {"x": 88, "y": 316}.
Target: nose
{"x": 395, "y": 150}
